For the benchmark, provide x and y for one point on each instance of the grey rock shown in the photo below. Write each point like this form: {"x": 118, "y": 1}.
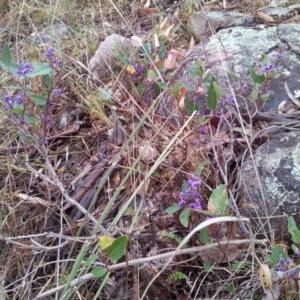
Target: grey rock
{"x": 278, "y": 13}
{"x": 50, "y": 34}
{"x": 106, "y": 56}
{"x": 209, "y": 22}
{"x": 226, "y": 51}
{"x": 278, "y": 165}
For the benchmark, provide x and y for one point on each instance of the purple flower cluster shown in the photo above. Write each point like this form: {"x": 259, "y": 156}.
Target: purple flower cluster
{"x": 190, "y": 196}
{"x": 284, "y": 266}
{"x": 138, "y": 69}
{"x": 53, "y": 60}
{"x": 24, "y": 69}
{"x": 9, "y": 100}
{"x": 48, "y": 120}
{"x": 228, "y": 100}
{"x": 273, "y": 57}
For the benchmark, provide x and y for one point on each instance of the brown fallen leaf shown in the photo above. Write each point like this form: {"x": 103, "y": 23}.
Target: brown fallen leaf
{"x": 265, "y": 17}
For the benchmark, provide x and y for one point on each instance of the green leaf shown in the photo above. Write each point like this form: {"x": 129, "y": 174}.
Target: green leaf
{"x": 212, "y": 99}
{"x": 190, "y": 106}
{"x": 218, "y": 200}
{"x": 275, "y": 255}
{"x": 254, "y": 93}
{"x": 257, "y": 78}
{"x": 98, "y": 271}
{"x": 191, "y": 73}
{"x": 219, "y": 91}
{"x": 200, "y": 167}
{"x": 162, "y": 85}
{"x": 238, "y": 266}
{"x": 14, "y": 87}
{"x": 198, "y": 68}
{"x": 38, "y": 99}
{"x": 248, "y": 64}
{"x": 147, "y": 48}
{"x": 291, "y": 224}
{"x": 117, "y": 249}
{"x": 6, "y": 55}
{"x": 169, "y": 76}
{"x": 40, "y": 69}
{"x": 204, "y": 238}
{"x": 151, "y": 75}
{"x": 295, "y": 236}
{"x": 91, "y": 259}
{"x": 207, "y": 266}
{"x": 18, "y": 109}
{"x": 175, "y": 89}
{"x": 12, "y": 67}
{"x": 265, "y": 97}
{"x": 295, "y": 249}
{"x": 30, "y": 119}
{"x": 184, "y": 217}
{"x": 105, "y": 94}
{"x": 237, "y": 77}
{"x": 47, "y": 81}
{"x": 172, "y": 209}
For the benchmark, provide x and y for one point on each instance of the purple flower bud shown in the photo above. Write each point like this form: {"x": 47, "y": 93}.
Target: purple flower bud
{"x": 182, "y": 203}
{"x": 50, "y": 52}
{"x": 57, "y": 91}
{"x": 18, "y": 98}
{"x": 202, "y": 130}
{"x": 24, "y": 69}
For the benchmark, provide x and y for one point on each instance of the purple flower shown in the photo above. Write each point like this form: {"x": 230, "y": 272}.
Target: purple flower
{"x": 203, "y": 130}
{"x": 24, "y": 69}
{"x": 228, "y": 100}
{"x": 8, "y": 101}
{"x": 7, "y": 97}
{"x": 18, "y": 98}
{"x": 57, "y": 91}
{"x": 50, "y": 52}
{"x": 284, "y": 46}
{"x": 190, "y": 195}
{"x": 182, "y": 203}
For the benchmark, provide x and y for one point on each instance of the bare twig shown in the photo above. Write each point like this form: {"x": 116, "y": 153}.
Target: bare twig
{"x": 134, "y": 262}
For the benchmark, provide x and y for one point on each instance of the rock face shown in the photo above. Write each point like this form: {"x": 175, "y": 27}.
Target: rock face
{"x": 105, "y": 57}
{"x": 225, "y": 53}
{"x": 50, "y": 35}
{"x": 278, "y": 165}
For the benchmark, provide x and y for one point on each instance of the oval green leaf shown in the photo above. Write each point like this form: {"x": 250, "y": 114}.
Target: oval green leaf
{"x": 172, "y": 209}
{"x": 184, "y": 217}
{"x": 38, "y": 99}
{"x": 98, "y": 271}
{"x": 117, "y": 249}
{"x": 6, "y": 55}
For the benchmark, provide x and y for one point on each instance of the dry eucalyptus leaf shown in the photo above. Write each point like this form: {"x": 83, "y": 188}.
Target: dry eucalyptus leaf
{"x": 168, "y": 30}
{"x": 163, "y": 23}
{"x": 281, "y": 107}
{"x": 228, "y": 253}
{"x": 265, "y": 17}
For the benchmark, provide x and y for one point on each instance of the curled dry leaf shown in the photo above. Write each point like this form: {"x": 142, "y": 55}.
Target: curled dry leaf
{"x": 192, "y": 44}
{"x": 281, "y": 107}
{"x": 147, "y": 4}
{"x": 136, "y": 41}
{"x": 168, "y": 30}
{"x": 265, "y": 17}
{"x": 147, "y": 152}
{"x": 163, "y": 23}
{"x": 291, "y": 96}
{"x": 156, "y": 41}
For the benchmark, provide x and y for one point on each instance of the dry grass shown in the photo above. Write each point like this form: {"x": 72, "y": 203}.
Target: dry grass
{"x": 43, "y": 247}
